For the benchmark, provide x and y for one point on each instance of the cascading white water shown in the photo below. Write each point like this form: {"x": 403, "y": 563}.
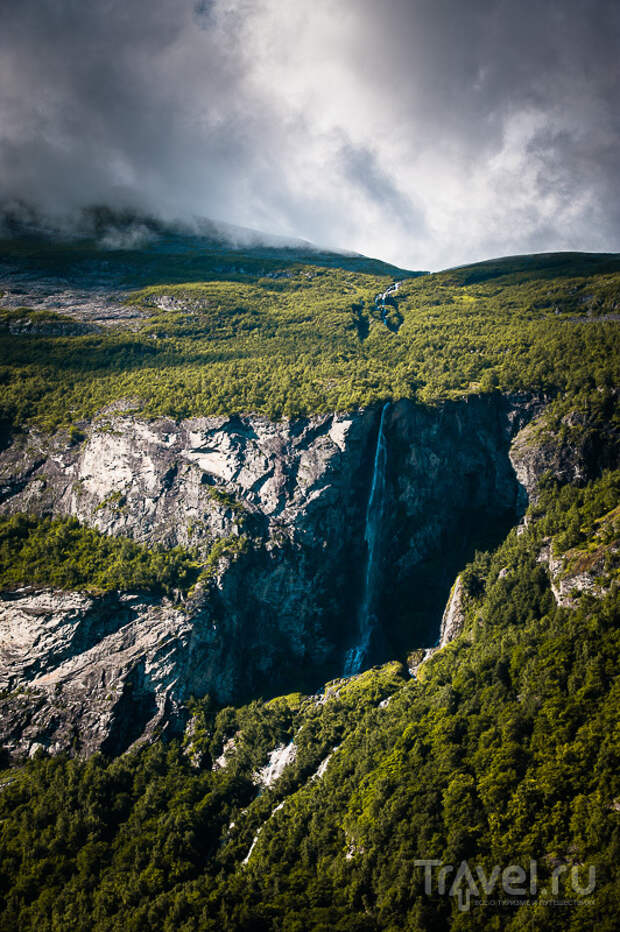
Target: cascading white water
{"x": 382, "y": 298}
{"x": 374, "y": 513}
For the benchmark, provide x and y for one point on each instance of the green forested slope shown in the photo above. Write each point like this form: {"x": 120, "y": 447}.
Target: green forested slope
{"x": 504, "y": 749}
{"x": 301, "y": 338}
{"x": 63, "y": 554}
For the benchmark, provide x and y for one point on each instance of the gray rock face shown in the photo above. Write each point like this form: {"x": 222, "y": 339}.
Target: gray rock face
{"x": 452, "y": 489}
{"x": 576, "y": 451}
{"x": 101, "y": 304}
{"x": 275, "y": 614}
{"x": 158, "y": 481}
{"x": 453, "y": 617}
{"x": 91, "y": 673}
{"x": 83, "y": 672}
{"x": 594, "y": 573}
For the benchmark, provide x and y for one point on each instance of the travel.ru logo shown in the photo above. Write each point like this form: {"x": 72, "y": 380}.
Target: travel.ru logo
{"x": 516, "y": 883}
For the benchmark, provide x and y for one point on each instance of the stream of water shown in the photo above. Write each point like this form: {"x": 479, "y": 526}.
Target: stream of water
{"x": 380, "y": 300}
{"x": 374, "y": 513}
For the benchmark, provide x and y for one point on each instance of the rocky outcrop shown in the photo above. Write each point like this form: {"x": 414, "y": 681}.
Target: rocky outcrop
{"x": 186, "y": 484}
{"x": 223, "y": 759}
{"x": 83, "y": 671}
{"x": 453, "y": 617}
{"x": 576, "y": 449}
{"x": 90, "y": 307}
{"x": 452, "y": 623}
{"x": 279, "y": 759}
{"x": 578, "y": 571}
{"x": 97, "y": 673}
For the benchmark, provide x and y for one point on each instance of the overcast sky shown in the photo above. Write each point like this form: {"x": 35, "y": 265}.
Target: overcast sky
{"x": 425, "y": 132}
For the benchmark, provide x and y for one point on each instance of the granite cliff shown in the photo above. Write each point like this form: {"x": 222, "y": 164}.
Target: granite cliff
{"x": 87, "y": 671}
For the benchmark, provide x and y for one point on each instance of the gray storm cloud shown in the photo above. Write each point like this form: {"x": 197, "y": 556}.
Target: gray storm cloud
{"x": 426, "y": 132}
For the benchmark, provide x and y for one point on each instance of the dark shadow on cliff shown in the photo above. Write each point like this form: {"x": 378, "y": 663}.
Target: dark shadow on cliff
{"x": 133, "y": 711}
{"x": 411, "y": 614}
{"x": 452, "y": 490}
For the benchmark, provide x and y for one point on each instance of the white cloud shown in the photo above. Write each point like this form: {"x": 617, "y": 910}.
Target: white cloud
{"x": 426, "y": 133}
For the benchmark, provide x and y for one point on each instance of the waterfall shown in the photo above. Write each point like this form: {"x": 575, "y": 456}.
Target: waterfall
{"x": 374, "y": 513}
{"x": 382, "y": 297}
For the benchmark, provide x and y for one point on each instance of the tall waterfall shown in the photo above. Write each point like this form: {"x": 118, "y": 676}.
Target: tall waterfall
{"x": 374, "y": 513}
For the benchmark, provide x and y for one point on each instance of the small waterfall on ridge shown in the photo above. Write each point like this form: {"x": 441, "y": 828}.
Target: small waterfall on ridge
{"x": 381, "y": 300}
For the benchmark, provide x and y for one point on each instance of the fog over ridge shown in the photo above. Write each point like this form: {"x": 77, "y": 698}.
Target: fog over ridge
{"x": 425, "y": 132}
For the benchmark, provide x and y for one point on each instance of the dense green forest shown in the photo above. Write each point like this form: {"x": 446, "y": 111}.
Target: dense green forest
{"x": 64, "y": 554}
{"x": 502, "y": 750}
{"x": 302, "y": 338}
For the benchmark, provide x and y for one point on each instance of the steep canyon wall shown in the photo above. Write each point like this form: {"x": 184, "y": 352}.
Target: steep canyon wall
{"x": 88, "y": 671}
